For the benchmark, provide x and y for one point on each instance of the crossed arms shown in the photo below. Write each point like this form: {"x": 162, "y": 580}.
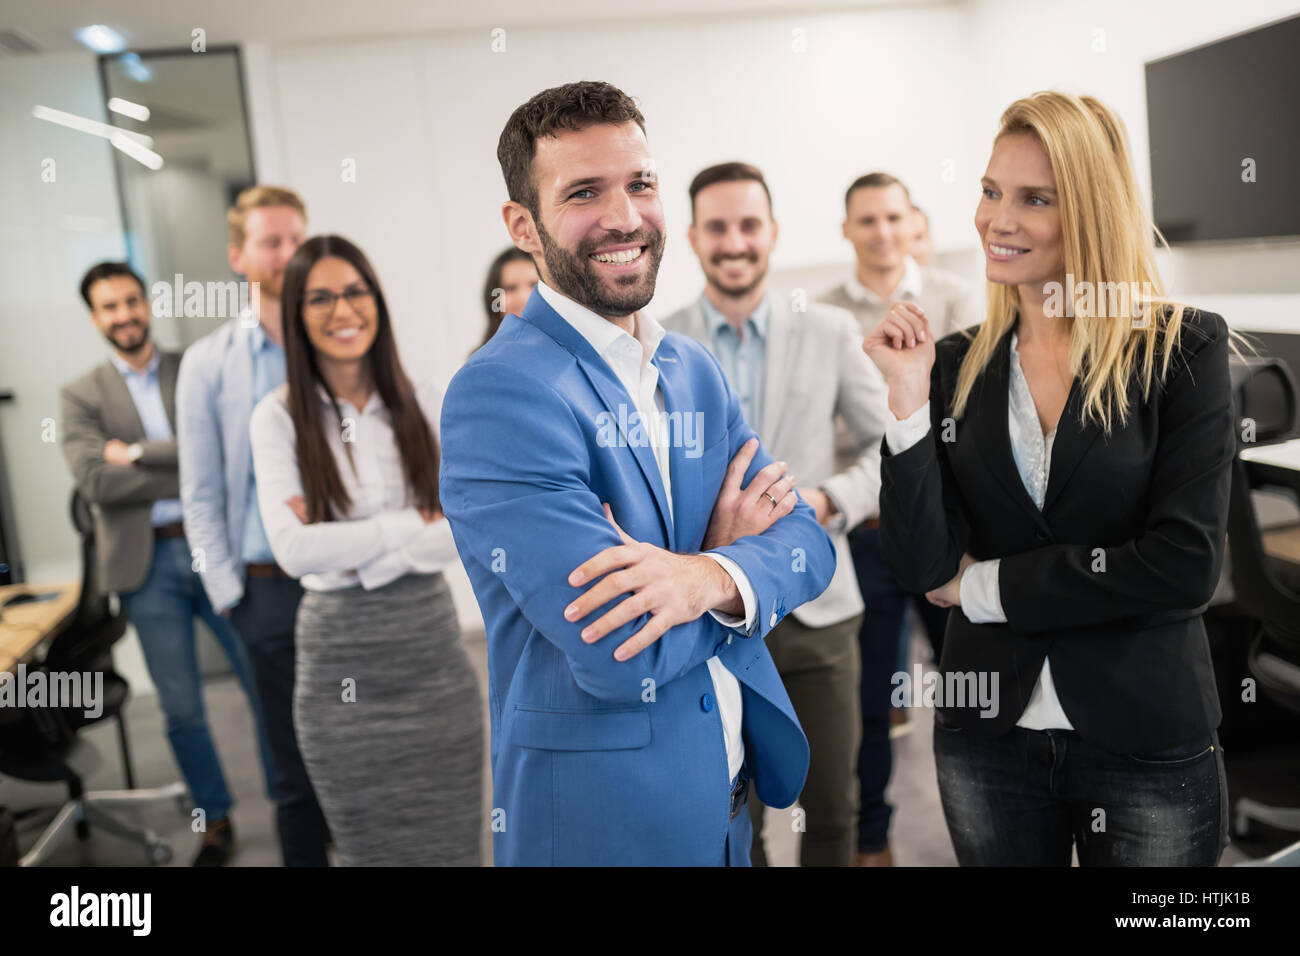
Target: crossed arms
{"x": 529, "y": 499}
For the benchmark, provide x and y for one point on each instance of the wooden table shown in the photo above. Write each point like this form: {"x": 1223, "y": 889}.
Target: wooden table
{"x": 24, "y": 626}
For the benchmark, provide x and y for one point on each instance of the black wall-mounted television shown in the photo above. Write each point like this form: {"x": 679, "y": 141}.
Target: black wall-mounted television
{"x": 1211, "y": 110}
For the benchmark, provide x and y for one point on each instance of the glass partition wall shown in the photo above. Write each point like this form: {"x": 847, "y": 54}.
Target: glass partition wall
{"x": 184, "y": 155}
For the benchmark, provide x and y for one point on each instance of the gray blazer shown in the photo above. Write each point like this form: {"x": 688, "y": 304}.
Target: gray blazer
{"x": 96, "y": 407}
{"x": 814, "y": 369}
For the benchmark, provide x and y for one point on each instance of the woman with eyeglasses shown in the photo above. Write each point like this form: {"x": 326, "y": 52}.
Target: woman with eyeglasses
{"x": 386, "y": 706}
{"x": 1059, "y": 477}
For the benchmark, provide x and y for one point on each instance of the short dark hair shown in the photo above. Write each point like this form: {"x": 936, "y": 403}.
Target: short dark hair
{"x": 106, "y": 270}
{"x": 875, "y": 181}
{"x": 573, "y": 106}
{"x": 727, "y": 173}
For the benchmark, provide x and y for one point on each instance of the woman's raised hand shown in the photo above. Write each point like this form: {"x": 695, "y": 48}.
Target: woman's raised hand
{"x": 902, "y": 347}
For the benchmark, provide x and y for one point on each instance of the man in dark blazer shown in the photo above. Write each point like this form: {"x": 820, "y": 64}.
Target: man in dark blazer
{"x": 118, "y": 435}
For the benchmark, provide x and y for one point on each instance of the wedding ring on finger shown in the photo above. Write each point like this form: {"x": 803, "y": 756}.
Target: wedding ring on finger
{"x": 770, "y": 498}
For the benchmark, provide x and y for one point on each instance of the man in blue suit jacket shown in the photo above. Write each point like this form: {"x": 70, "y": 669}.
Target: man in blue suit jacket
{"x": 630, "y": 715}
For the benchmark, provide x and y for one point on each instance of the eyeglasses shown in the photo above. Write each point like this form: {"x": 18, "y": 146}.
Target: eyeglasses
{"x": 321, "y": 302}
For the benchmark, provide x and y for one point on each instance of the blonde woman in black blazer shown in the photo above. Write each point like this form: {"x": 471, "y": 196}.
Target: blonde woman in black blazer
{"x": 1059, "y": 475}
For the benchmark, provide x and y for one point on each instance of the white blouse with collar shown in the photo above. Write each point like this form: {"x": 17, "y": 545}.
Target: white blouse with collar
{"x": 383, "y": 537}
{"x": 981, "y": 599}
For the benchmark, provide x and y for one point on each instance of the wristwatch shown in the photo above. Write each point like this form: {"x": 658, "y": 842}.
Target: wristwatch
{"x": 134, "y": 451}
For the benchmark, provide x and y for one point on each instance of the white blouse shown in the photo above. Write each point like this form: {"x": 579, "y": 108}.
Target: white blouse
{"x": 383, "y": 537}
{"x": 981, "y": 599}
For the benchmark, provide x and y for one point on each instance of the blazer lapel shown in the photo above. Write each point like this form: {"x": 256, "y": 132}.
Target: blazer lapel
{"x": 612, "y": 394}
{"x": 990, "y": 396}
{"x": 119, "y": 396}
{"x": 685, "y": 447}
{"x": 1072, "y": 441}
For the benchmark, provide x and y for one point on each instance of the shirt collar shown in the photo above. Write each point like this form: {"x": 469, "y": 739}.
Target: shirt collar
{"x": 757, "y": 319}
{"x": 374, "y": 404}
{"x": 125, "y": 368}
{"x": 908, "y": 287}
{"x": 257, "y": 338}
{"x": 602, "y": 334}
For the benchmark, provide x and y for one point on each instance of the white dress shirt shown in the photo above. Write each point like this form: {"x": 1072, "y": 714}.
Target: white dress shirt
{"x": 981, "y": 598}
{"x": 383, "y": 536}
{"x": 631, "y": 359}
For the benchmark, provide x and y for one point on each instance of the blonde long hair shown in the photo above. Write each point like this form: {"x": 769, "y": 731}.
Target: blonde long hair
{"x": 1108, "y": 238}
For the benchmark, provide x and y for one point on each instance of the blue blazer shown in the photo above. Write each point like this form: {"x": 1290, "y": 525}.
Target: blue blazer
{"x": 598, "y": 761}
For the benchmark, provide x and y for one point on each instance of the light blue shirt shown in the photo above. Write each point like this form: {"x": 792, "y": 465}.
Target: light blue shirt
{"x": 268, "y": 373}
{"x": 742, "y": 359}
{"x": 147, "y": 396}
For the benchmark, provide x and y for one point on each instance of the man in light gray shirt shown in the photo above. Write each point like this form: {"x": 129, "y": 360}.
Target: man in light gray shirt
{"x": 795, "y": 366}
{"x": 880, "y": 221}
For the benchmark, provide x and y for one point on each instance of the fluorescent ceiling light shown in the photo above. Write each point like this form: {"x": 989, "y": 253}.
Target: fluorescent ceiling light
{"x": 141, "y": 154}
{"x": 127, "y": 108}
{"x": 101, "y": 39}
{"x": 84, "y": 125}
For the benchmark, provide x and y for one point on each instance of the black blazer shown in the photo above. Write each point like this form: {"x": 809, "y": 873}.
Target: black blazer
{"x": 1130, "y": 660}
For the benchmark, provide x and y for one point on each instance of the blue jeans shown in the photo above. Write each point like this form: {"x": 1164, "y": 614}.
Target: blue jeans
{"x": 163, "y": 611}
{"x": 1026, "y": 797}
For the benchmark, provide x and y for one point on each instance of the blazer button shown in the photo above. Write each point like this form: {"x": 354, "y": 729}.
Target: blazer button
{"x": 771, "y": 622}
{"x": 706, "y": 703}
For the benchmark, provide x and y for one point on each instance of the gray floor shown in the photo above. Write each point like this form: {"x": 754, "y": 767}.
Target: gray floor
{"x": 918, "y": 834}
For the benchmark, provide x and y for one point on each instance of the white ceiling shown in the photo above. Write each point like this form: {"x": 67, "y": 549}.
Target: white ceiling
{"x": 151, "y": 24}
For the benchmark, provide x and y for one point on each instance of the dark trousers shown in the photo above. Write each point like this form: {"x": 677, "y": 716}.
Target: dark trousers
{"x": 882, "y": 621}
{"x": 736, "y": 848}
{"x": 819, "y": 666}
{"x": 1026, "y": 797}
{"x": 264, "y": 620}
{"x": 879, "y": 636}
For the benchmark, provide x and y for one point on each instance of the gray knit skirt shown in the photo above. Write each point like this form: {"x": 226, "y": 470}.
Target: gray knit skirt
{"x": 387, "y": 713}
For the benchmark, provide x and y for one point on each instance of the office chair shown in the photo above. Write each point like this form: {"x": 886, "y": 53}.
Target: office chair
{"x": 36, "y": 743}
{"x": 1262, "y": 585}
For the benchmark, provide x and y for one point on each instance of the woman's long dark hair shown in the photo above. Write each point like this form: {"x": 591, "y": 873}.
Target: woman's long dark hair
{"x": 322, "y": 486}
{"x": 495, "y": 273}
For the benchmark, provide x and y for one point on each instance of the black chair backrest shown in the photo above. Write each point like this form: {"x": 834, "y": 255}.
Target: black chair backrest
{"x": 1258, "y": 588}
{"x": 86, "y": 642}
{"x": 1265, "y": 392}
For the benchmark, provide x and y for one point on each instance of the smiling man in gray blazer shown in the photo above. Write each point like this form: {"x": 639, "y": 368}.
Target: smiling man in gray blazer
{"x": 795, "y": 366}
{"x": 118, "y": 436}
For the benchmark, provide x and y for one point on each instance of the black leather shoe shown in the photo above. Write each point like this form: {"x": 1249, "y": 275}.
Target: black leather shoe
{"x": 218, "y": 844}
